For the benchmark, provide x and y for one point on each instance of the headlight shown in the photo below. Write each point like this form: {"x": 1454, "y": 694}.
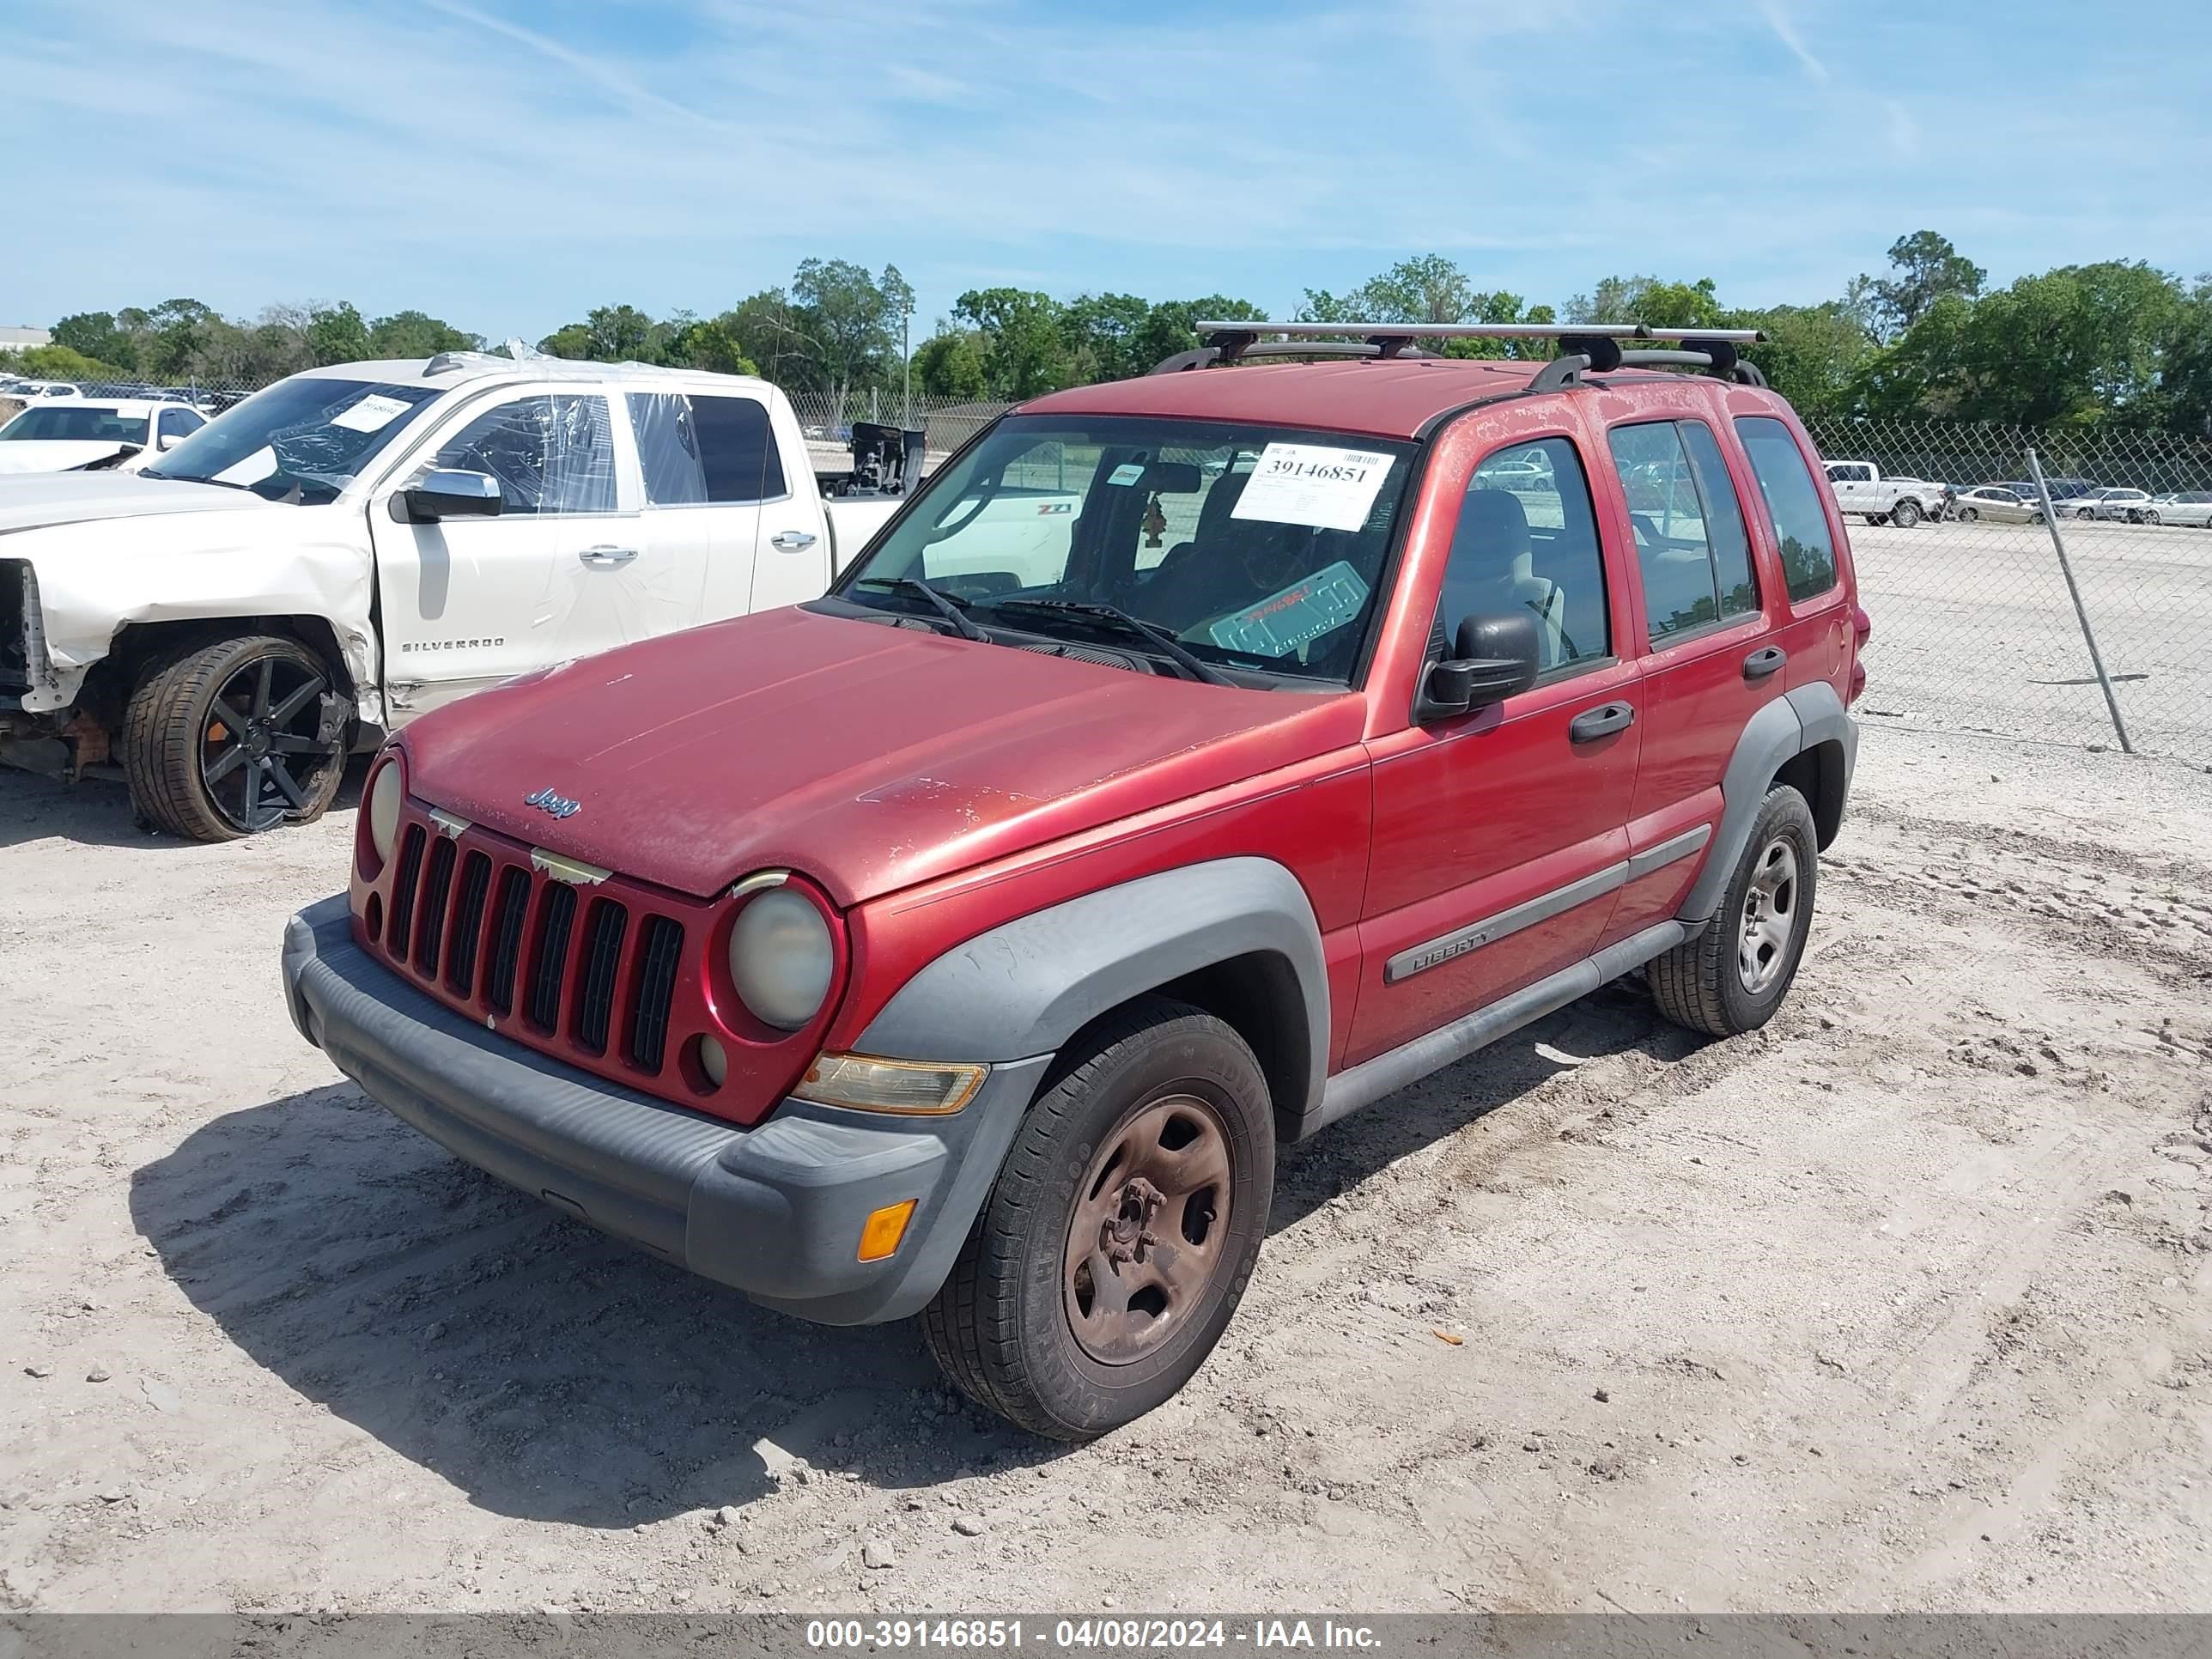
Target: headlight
{"x": 384, "y": 797}
{"x": 781, "y": 957}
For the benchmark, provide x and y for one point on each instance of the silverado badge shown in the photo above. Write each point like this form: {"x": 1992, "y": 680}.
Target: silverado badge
{"x": 559, "y": 805}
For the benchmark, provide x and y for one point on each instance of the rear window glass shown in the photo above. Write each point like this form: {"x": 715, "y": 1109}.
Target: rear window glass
{"x": 1793, "y": 503}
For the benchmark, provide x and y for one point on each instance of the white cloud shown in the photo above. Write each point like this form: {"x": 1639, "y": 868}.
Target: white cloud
{"x": 1785, "y": 31}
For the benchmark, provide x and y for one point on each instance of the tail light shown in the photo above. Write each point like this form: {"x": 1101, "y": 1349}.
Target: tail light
{"x": 1862, "y": 631}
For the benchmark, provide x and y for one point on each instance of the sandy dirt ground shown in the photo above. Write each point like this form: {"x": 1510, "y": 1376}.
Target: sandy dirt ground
{"x": 1902, "y": 1303}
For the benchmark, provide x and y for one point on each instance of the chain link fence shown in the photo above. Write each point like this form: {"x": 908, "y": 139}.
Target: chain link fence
{"x": 2069, "y": 610}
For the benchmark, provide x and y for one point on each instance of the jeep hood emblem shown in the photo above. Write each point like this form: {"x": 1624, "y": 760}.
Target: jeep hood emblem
{"x": 559, "y": 805}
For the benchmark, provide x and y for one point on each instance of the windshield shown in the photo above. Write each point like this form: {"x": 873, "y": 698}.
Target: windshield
{"x": 1257, "y": 548}
{"x": 303, "y": 440}
{"x": 75, "y": 424}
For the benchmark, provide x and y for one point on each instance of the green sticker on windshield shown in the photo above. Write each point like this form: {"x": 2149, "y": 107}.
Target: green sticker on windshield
{"x": 1305, "y": 611}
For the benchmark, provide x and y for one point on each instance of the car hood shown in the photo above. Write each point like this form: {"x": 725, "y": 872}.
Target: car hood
{"x": 869, "y": 757}
{"x": 30, "y": 500}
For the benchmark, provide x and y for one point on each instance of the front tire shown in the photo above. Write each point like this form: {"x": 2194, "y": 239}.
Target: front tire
{"x": 1122, "y": 1231}
{"x": 233, "y": 739}
{"x": 1733, "y": 976}
{"x": 1905, "y": 513}
{"x": 1968, "y": 516}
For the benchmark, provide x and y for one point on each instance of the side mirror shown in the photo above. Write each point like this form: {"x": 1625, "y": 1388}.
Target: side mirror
{"x": 1495, "y": 659}
{"x": 444, "y": 495}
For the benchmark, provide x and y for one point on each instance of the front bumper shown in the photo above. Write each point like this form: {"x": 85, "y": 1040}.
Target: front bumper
{"x": 774, "y": 1210}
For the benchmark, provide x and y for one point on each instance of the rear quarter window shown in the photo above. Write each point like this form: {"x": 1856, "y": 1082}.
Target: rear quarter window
{"x": 1793, "y": 504}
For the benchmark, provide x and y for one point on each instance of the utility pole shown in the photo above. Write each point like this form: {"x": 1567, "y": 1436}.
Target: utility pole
{"x": 906, "y": 368}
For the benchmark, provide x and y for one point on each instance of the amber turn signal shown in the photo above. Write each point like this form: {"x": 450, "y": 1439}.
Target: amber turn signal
{"x": 880, "y": 1234}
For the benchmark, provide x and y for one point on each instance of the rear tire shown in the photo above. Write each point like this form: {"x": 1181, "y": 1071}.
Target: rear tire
{"x": 1967, "y": 516}
{"x": 1905, "y": 513}
{"x": 1732, "y": 976}
{"x": 1094, "y": 1284}
{"x": 232, "y": 739}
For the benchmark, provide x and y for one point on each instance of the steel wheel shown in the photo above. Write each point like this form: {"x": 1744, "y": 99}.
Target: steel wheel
{"x": 1769, "y": 911}
{"x": 259, "y": 749}
{"x": 1147, "y": 1237}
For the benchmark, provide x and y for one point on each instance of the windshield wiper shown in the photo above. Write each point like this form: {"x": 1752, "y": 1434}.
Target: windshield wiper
{"x": 1158, "y": 637}
{"x": 945, "y": 607}
{"x": 178, "y": 477}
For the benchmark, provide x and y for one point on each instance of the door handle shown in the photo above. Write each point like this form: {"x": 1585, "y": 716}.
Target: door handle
{"x": 1601, "y": 721}
{"x": 607, "y": 558}
{"x": 792, "y": 541}
{"x": 1764, "y": 661}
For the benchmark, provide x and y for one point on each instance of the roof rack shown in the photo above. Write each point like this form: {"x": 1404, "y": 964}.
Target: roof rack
{"x": 1582, "y": 347}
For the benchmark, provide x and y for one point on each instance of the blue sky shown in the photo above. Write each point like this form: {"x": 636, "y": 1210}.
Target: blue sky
{"x": 509, "y": 165}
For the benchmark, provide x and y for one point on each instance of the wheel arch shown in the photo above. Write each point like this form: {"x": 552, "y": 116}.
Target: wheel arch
{"x": 1806, "y": 739}
{"x": 1236, "y": 937}
{"x": 108, "y": 683}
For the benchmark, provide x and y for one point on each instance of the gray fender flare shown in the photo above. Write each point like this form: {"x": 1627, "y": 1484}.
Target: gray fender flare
{"x": 1799, "y": 720}
{"x": 1027, "y": 985}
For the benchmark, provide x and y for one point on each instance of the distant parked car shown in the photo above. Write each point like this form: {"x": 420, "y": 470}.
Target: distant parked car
{"x": 2085, "y": 505}
{"x": 2124, "y": 505}
{"x": 69, "y": 434}
{"x": 2190, "y": 507}
{"x": 30, "y": 391}
{"x": 1998, "y": 504}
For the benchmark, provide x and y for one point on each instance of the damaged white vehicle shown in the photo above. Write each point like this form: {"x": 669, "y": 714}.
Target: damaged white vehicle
{"x": 359, "y": 543}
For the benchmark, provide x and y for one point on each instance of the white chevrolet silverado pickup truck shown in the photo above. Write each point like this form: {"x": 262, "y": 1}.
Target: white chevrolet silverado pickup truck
{"x": 359, "y": 543}
{"x": 1862, "y": 487}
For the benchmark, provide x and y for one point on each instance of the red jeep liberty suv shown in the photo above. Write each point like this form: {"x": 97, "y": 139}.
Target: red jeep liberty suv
{"x": 1192, "y": 761}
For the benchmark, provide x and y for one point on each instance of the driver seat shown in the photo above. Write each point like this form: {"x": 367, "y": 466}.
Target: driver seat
{"x": 1491, "y": 572}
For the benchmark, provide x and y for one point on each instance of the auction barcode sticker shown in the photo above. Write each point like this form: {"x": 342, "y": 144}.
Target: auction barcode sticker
{"x": 1314, "y": 484}
{"x": 372, "y": 414}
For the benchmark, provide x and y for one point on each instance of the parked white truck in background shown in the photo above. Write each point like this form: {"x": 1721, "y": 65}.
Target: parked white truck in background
{"x": 359, "y": 543}
{"x": 1862, "y": 487}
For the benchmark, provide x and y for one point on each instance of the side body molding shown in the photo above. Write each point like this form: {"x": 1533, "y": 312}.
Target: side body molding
{"x": 1024, "y": 987}
{"x": 1782, "y": 730}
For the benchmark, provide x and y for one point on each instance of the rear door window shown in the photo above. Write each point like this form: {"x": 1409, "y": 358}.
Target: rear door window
{"x": 737, "y": 450}
{"x": 1793, "y": 504}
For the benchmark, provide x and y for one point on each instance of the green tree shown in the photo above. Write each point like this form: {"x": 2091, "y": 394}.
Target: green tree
{"x": 94, "y": 335}
{"x": 1648, "y": 299}
{"x": 1813, "y": 354}
{"x": 337, "y": 334}
{"x": 708, "y": 343}
{"x": 1427, "y": 289}
{"x": 59, "y": 362}
{"x": 571, "y": 340}
{"x": 2079, "y": 344}
{"x": 846, "y": 324}
{"x": 1928, "y": 269}
{"x": 2185, "y": 377}
{"x": 1101, "y": 334}
{"x": 1172, "y": 326}
{"x": 953, "y": 363}
{"x": 1025, "y": 348}
{"x": 418, "y": 334}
